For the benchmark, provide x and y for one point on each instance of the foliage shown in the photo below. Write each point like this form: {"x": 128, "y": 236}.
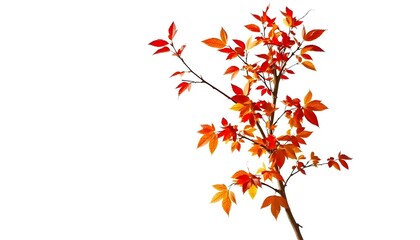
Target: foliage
{"x": 255, "y": 98}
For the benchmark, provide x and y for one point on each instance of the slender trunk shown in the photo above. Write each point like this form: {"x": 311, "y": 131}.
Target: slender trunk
{"x": 295, "y": 225}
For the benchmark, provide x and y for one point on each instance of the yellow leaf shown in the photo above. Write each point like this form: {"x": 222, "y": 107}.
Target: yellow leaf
{"x": 237, "y": 107}
{"x": 261, "y": 169}
{"x": 252, "y": 191}
{"x": 220, "y": 187}
{"x": 251, "y": 44}
{"x": 218, "y": 196}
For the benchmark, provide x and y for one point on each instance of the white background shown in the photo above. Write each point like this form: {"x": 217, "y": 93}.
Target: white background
{"x": 96, "y": 144}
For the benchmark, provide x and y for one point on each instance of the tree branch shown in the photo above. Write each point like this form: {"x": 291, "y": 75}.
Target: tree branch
{"x": 200, "y": 77}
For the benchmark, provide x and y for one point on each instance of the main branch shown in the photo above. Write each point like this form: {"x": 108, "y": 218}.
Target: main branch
{"x": 296, "y": 227}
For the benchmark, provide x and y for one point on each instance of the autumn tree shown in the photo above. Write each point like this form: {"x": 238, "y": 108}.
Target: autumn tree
{"x": 258, "y": 65}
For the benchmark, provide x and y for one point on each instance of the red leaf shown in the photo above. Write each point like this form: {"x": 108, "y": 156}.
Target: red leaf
{"x": 311, "y": 117}
{"x": 313, "y": 34}
{"x": 224, "y": 122}
{"x": 181, "y": 49}
{"x": 239, "y": 43}
{"x": 227, "y": 50}
{"x": 343, "y": 156}
{"x": 172, "y": 31}
{"x": 334, "y": 164}
{"x": 256, "y": 17}
{"x": 290, "y": 71}
{"x": 310, "y": 48}
{"x": 158, "y": 43}
{"x": 306, "y": 56}
{"x": 178, "y": 73}
{"x": 237, "y": 90}
{"x": 183, "y": 86}
{"x": 344, "y": 163}
{"x": 253, "y": 28}
{"x": 162, "y": 50}
{"x": 239, "y": 98}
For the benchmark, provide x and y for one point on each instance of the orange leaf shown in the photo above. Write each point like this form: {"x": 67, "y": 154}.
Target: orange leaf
{"x": 309, "y": 65}
{"x": 213, "y": 143}
{"x": 253, "y": 28}
{"x": 315, "y": 105}
{"x": 226, "y": 204}
{"x": 334, "y": 164}
{"x": 223, "y": 36}
{"x": 235, "y": 146}
{"x": 307, "y": 98}
{"x": 209, "y": 137}
{"x": 239, "y": 174}
{"x": 278, "y": 157}
{"x": 225, "y": 195}
{"x": 270, "y": 174}
{"x": 315, "y": 159}
{"x": 257, "y": 149}
{"x": 232, "y": 197}
{"x": 313, "y": 34}
{"x": 234, "y": 70}
{"x": 291, "y": 150}
{"x": 214, "y": 42}
{"x": 276, "y": 202}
